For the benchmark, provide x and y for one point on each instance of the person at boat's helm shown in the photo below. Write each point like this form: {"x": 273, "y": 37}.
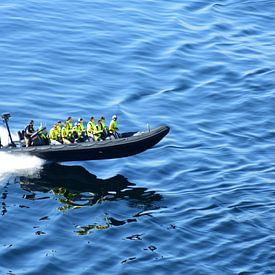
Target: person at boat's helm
{"x": 65, "y": 134}
{"x": 113, "y": 127}
{"x": 29, "y": 130}
{"x": 53, "y": 135}
{"x": 91, "y": 128}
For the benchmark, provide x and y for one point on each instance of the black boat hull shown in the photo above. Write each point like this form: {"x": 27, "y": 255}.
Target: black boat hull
{"x": 108, "y": 149}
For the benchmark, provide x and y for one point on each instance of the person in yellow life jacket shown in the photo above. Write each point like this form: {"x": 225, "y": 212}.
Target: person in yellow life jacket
{"x": 91, "y": 128}
{"x": 69, "y": 127}
{"x": 59, "y": 128}
{"x": 98, "y": 131}
{"x": 75, "y": 132}
{"x": 65, "y": 134}
{"x": 81, "y": 133}
{"x": 69, "y": 124}
{"x": 102, "y": 121}
{"x": 82, "y": 130}
{"x": 113, "y": 127}
{"x": 105, "y": 131}
{"x": 81, "y": 124}
{"x": 53, "y": 135}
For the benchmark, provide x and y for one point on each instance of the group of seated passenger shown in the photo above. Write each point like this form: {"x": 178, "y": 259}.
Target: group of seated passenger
{"x": 71, "y": 133}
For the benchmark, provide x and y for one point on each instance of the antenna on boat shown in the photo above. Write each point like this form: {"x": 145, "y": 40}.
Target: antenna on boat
{"x": 5, "y": 118}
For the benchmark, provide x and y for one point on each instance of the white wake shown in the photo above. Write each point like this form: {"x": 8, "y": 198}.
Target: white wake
{"x": 21, "y": 165}
{"x": 4, "y": 136}
{"x": 16, "y": 165}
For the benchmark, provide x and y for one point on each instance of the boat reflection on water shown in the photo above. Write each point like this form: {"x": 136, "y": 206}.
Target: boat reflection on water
{"x": 76, "y": 188}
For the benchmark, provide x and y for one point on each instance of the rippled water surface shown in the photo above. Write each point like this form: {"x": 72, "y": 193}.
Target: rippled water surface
{"x": 202, "y": 200}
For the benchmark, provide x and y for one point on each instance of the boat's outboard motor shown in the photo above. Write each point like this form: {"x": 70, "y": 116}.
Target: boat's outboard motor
{"x": 21, "y": 135}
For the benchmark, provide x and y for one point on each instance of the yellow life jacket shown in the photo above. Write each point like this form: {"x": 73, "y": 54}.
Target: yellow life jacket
{"x": 103, "y": 124}
{"x": 91, "y": 127}
{"x": 53, "y": 134}
{"x": 75, "y": 129}
{"x": 65, "y": 132}
{"x": 69, "y": 126}
{"x": 113, "y": 126}
{"x": 79, "y": 129}
{"x": 58, "y": 129}
{"x": 81, "y": 126}
{"x": 99, "y": 127}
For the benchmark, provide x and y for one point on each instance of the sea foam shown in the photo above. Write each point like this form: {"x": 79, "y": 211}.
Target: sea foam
{"x": 11, "y": 165}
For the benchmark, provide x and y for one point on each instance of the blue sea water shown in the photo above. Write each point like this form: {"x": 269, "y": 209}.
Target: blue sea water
{"x": 202, "y": 200}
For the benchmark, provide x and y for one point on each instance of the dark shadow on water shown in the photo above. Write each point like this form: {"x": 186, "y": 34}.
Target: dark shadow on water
{"x": 73, "y": 178}
{"x": 76, "y": 179}
{"x": 76, "y": 187}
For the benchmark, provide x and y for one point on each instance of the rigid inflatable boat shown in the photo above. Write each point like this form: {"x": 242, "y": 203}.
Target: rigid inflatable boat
{"x": 127, "y": 144}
